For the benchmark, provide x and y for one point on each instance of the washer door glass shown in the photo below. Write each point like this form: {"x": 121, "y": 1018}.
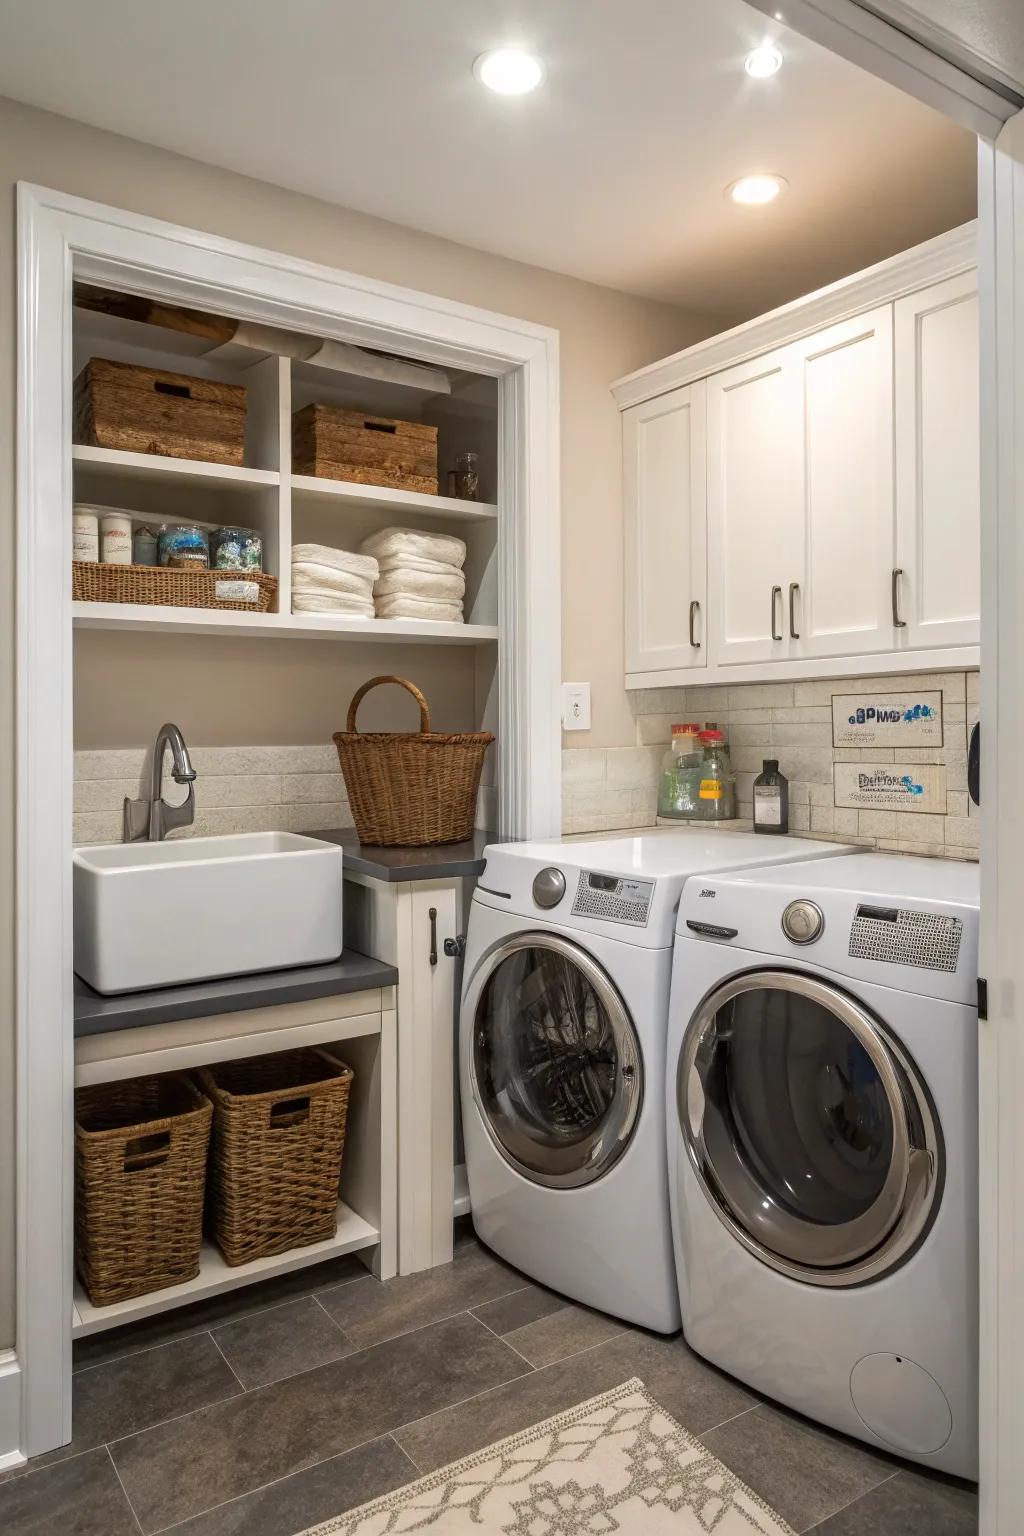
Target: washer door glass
{"x": 556, "y": 1061}
{"x": 806, "y": 1127}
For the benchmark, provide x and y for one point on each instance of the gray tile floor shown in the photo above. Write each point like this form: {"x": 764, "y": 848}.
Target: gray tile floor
{"x": 272, "y": 1409}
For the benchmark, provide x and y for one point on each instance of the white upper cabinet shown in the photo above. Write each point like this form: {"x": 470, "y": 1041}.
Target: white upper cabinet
{"x": 665, "y": 558}
{"x": 842, "y": 508}
{"x": 938, "y": 511}
{"x": 842, "y": 606}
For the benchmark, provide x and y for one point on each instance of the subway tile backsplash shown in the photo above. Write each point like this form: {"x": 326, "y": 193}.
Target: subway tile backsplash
{"x": 607, "y": 789}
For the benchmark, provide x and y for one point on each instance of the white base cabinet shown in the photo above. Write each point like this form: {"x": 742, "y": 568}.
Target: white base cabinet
{"x": 841, "y": 508}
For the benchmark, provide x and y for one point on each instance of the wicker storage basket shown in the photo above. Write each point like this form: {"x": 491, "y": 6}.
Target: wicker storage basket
{"x": 156, "y": 584}
{"x": 278, "y": 1139}
{"x": 372, "y": 450}
{"x": 145, "y": 410}
{"x": 140, "y": 1166}
{"x": 410, "y": 789}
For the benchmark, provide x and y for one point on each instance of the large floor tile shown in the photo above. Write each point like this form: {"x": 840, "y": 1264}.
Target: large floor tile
{"x": 562, "y": 1333}
{"x": 180, "y": 1322}
{"x": 519, "y": 1308}
{"x": 693, "y": 1392}
{"x": 802, "y": 1471}
{"x": 293, "y": 1337}
{"x": 125, "y": 1396}
{"x": 369, "y": 1312}
{"x": 305, "y": 1499}
{"x": 80, "y": 1497}
{"x": 908, "y": 1504}
{"x": 182, "y": 1469}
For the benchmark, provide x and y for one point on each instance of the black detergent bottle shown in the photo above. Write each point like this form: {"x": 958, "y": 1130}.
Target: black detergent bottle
{"x": 771, "y": 798}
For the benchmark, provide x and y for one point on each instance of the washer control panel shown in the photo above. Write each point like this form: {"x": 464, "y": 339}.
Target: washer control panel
{"x": 615, "y": 898}
{"x": 548, "y": 887}
{"x": 803, "y": 922}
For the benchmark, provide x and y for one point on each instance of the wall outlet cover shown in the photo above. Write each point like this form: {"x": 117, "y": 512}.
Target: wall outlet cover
{"x": 576, "y": 706}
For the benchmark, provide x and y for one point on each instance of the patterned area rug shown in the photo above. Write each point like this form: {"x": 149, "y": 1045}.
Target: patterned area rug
{"x": 615, "y": 1466}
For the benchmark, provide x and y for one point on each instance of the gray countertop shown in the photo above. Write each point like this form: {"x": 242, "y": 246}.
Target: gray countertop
{"x": 96, "y": 1015}
{"x": 397, "y": 864}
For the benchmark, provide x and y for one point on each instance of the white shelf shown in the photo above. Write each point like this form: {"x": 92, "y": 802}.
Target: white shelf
{"x": 297, "y": 626}
{"x": 156, "y": 470}
{"x": 216, "y": 1277}
{"x": 376, "y": 498}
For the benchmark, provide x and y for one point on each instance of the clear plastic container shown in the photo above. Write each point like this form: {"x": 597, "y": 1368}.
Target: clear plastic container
{"x": 717, "y": 793}
{"x": 681, "y": 768}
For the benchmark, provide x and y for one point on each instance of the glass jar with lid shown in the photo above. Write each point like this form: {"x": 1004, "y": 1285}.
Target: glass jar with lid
{"x": 681, "y": 768}
{"x": 717, "y": 792}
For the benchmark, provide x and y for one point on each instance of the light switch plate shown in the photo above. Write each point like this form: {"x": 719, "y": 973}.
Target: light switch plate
{"x": 576, "y": 706}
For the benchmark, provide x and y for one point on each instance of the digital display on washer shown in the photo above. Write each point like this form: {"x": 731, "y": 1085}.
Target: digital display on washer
{"x": 616, "y": 898}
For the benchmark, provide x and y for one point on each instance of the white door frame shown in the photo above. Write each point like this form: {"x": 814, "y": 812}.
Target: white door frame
{"x": 59, "y": 237}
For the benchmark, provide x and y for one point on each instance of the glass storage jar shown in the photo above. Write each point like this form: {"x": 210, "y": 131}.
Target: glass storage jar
{"x": 718, "y": 782}
{"x": 681, "y": 768}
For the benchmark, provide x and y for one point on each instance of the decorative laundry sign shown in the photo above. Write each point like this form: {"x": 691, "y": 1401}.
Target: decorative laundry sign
{"x": 887, "y": 719}
{"x": 891, "y": 786}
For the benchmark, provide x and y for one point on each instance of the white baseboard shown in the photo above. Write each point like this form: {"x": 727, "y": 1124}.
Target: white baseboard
{"x": 10, "y": 1411}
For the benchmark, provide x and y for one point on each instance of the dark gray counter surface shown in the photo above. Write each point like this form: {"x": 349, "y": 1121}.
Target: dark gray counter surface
{"x": 397, "y": 864}
{"x": 96, "y": 1015}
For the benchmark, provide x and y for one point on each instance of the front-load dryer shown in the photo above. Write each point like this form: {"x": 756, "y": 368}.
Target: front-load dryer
{"x": 564, "y": 1013}
{"x": 823, "y": 1126}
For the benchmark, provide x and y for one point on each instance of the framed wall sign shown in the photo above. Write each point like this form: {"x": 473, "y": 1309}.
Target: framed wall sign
{"x": 891, "y": 786}
{"x": 910, "y": 719}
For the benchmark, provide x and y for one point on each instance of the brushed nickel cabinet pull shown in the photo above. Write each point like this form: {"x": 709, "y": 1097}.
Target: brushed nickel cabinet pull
{"x": 694, "y": 610}
{"x": 776, "y": 594}
{"x": 794, "y": 588}
{"x": 898, "y": 622}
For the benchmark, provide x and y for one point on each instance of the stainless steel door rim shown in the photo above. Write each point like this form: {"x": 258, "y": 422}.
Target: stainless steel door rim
{"x": 574, "y": 1163}
{"x": 849, "y": 1252}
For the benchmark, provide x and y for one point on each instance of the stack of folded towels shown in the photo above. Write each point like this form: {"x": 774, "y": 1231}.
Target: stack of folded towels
{"x": 420, "y": 574}
{"x": 326, "y": 580}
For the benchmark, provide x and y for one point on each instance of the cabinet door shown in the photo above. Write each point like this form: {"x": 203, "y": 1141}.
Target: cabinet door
{"x": 665, "y": 528}
{"x": 843, "y": 605}
{"x": 755, "y": 513}
{"x": 938, "y": 492}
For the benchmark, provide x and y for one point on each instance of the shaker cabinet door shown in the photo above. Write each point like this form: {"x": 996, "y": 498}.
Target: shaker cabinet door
{"x": 755, "y": 508}
{"x": 938, "y": 466}
{"x": 665, "y": 531}
{"x": 842, "y": 607}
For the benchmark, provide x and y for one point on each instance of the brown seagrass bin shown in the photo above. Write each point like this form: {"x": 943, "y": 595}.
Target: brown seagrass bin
{"x": 412, "y": 788}
{"x": 148, "y": 410}
{"x": 140, "y": 1167}
{"x": 278, "y": 1140}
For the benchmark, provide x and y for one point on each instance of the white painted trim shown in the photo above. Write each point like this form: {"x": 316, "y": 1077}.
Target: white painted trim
{"x": 945, "y": 256}
{"x": 906, "y": 57}
{"x": 11, "y": 1455}
{"x": 1001, "y": 1058}
{"x": 954, "y": 659}
{"x": 148, "y": 256}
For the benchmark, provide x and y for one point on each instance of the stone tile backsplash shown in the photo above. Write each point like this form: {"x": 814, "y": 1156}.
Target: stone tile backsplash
{"x": 607, "y": 789}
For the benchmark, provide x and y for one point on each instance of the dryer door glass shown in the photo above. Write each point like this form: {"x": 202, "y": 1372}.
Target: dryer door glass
{"x": 556, "y": 1061}
{"x": 809, "y": 1131}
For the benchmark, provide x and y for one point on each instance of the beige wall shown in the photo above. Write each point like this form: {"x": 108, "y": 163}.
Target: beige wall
{"x": 603, "y": 335}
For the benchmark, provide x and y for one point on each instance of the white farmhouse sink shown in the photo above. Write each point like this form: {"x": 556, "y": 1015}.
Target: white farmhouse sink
{"x": 157, "y": 914}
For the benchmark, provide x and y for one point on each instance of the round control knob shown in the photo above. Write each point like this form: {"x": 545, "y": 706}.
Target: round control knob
{"x": 803, "y": 922}
{"x": 548, "y": 887}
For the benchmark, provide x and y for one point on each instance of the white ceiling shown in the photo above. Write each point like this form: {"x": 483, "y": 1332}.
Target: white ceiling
{"x": 613, "y": 171}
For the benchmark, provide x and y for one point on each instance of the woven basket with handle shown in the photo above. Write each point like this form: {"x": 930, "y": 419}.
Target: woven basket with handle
{"x": 413, "y": 788}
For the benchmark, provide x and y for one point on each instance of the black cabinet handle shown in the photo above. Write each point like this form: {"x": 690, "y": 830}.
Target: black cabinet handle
{"x": 776, "y": 594}
{"x": 694, "y": 610}
{"x": 432, "y": 914}
{"x": 898, "y": 622}
{"x": 794, "y": 588}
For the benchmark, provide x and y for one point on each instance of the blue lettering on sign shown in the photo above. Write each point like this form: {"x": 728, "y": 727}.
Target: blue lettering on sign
{"x": 883, "y": 716}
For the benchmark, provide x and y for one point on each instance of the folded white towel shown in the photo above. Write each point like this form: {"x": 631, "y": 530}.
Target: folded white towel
{"x": 418, "y": 608}
{"x": 415, "y": 563}
{"x": 406, "y": 541}
{"x": 309, "y": 577}
{"x": 338, "y": 602}
{"x": 438, "y": 589}
{"x": 338, "y": 559}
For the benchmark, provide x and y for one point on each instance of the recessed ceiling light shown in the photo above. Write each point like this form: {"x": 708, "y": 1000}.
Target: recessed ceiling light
{"x": 755, "y": 191}
{"x": 509, "y": 71}
{"x": 763, "y": 62}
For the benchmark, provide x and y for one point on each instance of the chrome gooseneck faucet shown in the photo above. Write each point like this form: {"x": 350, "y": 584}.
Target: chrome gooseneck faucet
{"x": 152, "y": 819}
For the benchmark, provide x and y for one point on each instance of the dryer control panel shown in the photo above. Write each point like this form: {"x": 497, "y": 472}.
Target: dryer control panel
{"x": 614, "y": 898}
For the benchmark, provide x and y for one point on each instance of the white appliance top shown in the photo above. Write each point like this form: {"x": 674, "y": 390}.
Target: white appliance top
{"x": 628, "y": 888}
{"x": 906, "y": 923}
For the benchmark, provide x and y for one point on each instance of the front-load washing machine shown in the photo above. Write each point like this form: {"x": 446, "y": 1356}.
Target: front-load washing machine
{"x": 564, "y": 1014}
{"x": 823, "y": 1126}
